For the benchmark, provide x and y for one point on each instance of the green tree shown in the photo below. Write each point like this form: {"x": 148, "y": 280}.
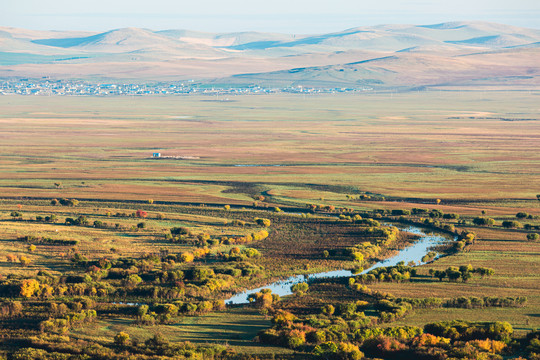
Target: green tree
{"x": 533, "y": 237}
{"x": 142, "y": 311}
{"x": 328, "y": 310}
{"x": 263, "y": 222}
{"x": 483, "y": 221}
{"x": 440, "y": 274}
{"x": 511, "y": 224}
{"x": 132, "y": 280}
{"x": 300, "y": 289}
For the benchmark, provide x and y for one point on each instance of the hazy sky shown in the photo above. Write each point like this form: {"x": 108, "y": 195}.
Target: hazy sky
{"x": 291, "y": 16}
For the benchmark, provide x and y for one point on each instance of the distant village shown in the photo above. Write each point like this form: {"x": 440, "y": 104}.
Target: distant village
{"x": 47, "y": 87}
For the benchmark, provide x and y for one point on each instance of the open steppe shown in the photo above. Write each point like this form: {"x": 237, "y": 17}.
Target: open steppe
{"x": 462, "y": 147}
{"x": 265, "y": 187}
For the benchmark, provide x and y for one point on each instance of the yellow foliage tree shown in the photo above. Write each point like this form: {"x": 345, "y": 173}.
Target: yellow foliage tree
{"x": 29, "y": 287}
{"x": 187, "y": 257}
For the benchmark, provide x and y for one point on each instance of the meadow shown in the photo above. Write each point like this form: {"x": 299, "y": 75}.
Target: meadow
{"x": 422, "y": 146}
{"x": 99, "y": 240}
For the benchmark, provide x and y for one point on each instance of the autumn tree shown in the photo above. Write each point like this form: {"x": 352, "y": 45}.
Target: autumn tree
{"x": 141, "y": 214}
{"x": 263, "y": 222}
{"x": 262, "y": 299}
{"x": 121, "y": 339}
{"x": 132, "y": 280}
{"x": 29, "y": 287}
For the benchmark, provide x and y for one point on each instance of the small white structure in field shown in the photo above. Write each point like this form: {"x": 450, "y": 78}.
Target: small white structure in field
{"x": 156, "y": 155}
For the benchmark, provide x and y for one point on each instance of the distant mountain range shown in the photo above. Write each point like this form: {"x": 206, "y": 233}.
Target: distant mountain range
{"x": 447, "y": 54}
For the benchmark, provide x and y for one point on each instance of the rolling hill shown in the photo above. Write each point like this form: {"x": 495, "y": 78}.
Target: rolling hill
{"x": 449, "y": 54}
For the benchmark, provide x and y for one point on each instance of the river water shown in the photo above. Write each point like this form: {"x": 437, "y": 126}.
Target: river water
{"x": 414, "y": 253}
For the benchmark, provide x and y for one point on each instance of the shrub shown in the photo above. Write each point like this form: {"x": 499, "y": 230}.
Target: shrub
{"x": 263, "y": 222}
{"x": 141, "y": 214}
{"x": 180, "y": 231}
{"x": 328, "y": 310}
{"x": 533, "y": 237}
{"x": 121, "y": 339}
{"x": 295, "y": 338}
{"x": 187, "y": 257}
{"x": 511, "y": 224}
{"x": 300, "y": 288}
{"x": 482, "y": 221}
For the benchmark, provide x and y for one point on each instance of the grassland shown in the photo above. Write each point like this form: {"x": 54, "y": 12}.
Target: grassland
{"x": 448, "y": 145}
{"x": 476, "y": 152}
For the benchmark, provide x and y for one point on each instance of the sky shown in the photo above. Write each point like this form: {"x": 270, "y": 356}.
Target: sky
{"x": 284, "y": 16}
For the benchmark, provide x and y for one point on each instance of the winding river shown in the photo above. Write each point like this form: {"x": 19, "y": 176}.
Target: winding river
{"x": 414, "y": 253}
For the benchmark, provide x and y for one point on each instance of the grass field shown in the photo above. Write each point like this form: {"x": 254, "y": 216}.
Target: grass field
{"x": 447, "y": 145}
{"x": 474, "y": 151}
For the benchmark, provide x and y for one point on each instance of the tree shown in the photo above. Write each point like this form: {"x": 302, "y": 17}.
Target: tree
{"x": 24, "y": 260}
{"x": 453, "y": 273}
{"x": 180, "y": 231}
{"x": 521, "y": 215}
{"x": 16, "y": 215}
{"x": 296, "y": 338}
{"x": 533, "y": 237}
{"x": 484, "y": 271}
{"x": 328, "y": 310}
{"x": 300, "y": 289}
{"x": 262, "y": 299}
{"x": 141, "y": 214}
{"x": 121, "y": 339}
{"x": 227, "y": 207}
{"x": 187, "y": 257}
{"x": 29, "y": 287}
{"x": 511, "y": 224}
{"x": 141, "y": 225}
{"x": 440, "y": 274}
{"x": 132, "y": 280}
{"x": 69, "y": 202}
{"x": 482, "y": 221}
{"x": 263, "y": 222}
{"x": 466, "y": 275}
{"x": 55, "y": 202}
